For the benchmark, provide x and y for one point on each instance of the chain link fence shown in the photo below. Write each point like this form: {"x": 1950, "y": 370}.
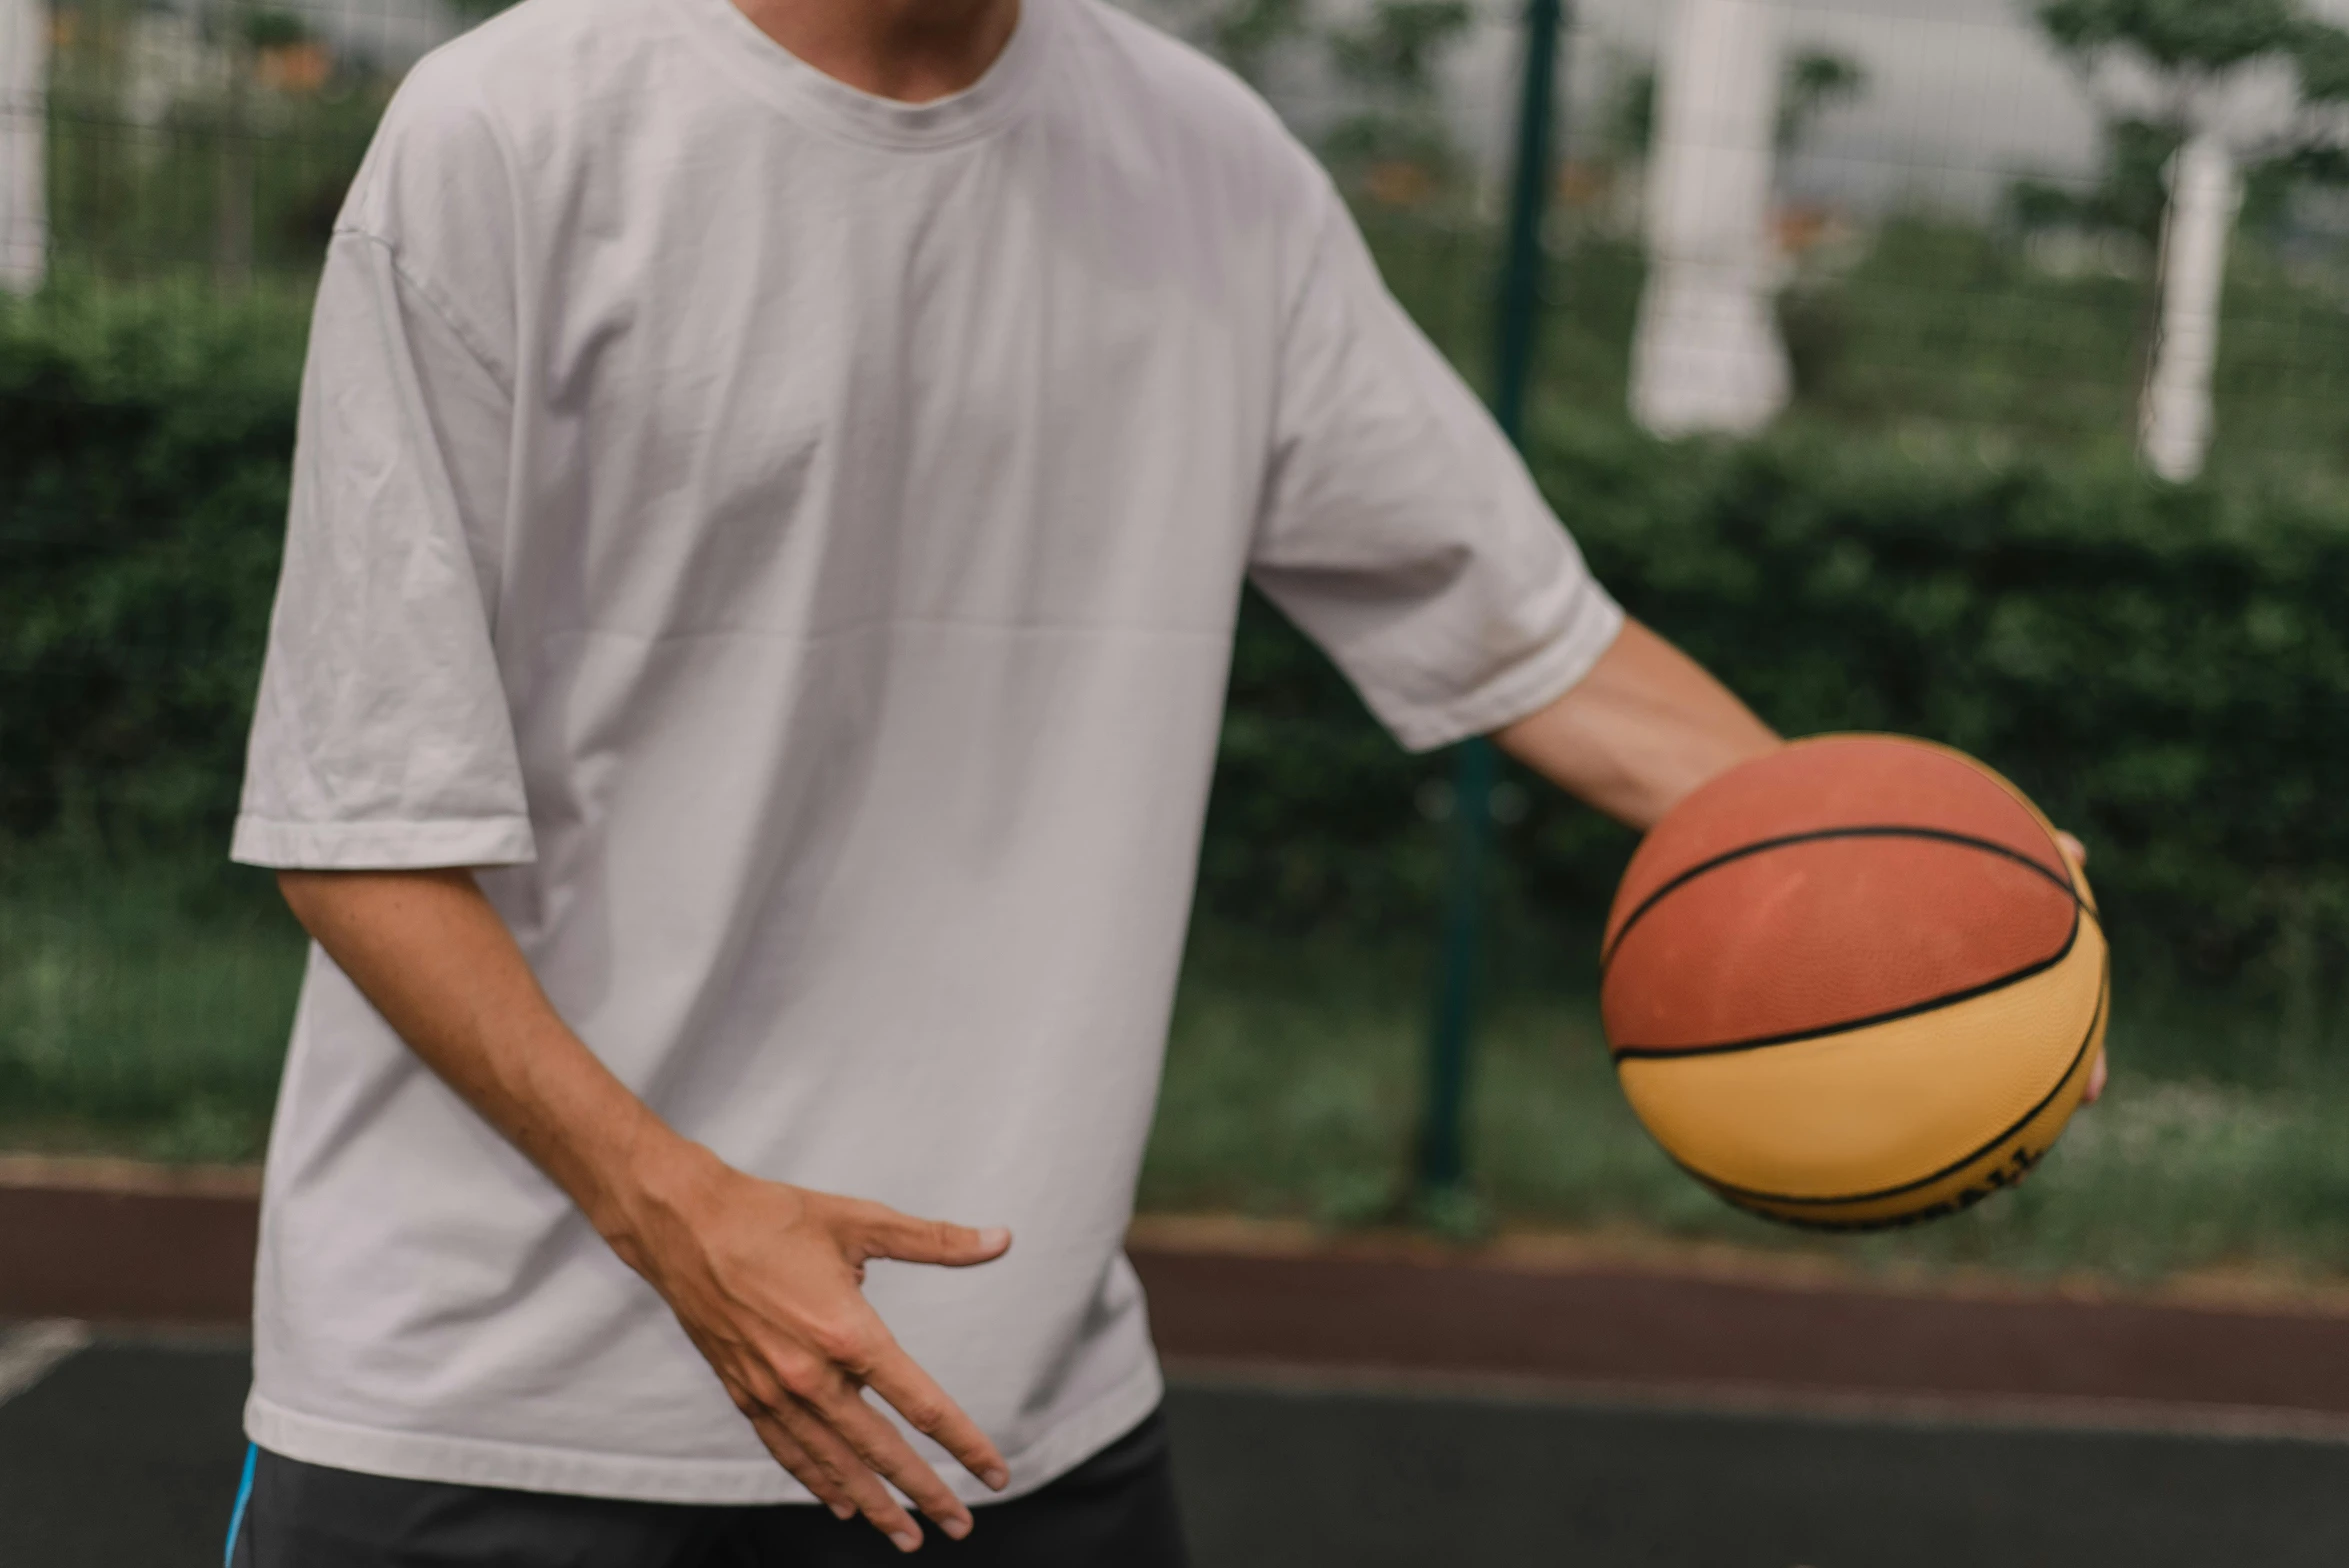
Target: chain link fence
{"x": 2028, "y": 224}
{"x": 1963, "y": 366}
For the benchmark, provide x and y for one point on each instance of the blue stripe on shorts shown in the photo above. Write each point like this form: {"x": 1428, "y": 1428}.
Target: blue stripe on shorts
{"x": 236, "y": 1515}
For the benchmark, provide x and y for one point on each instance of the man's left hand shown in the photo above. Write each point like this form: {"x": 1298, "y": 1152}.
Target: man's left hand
{"x": 2078, "y": 852}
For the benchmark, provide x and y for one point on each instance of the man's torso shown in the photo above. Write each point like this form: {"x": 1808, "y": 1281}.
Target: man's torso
{"x": 861, "y": 565}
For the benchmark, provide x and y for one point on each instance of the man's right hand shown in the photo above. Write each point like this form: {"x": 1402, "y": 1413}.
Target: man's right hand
{"x": 766, "y": 1280}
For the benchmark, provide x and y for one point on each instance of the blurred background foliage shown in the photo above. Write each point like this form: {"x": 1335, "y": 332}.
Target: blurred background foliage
{"x": 1947, "y": 535}
{"x": 215, "y": 141}
{"x": 2163, "y": 667}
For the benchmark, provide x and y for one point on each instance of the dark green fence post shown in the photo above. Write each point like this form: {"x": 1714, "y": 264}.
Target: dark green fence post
{"x": 1443, "y": 1154}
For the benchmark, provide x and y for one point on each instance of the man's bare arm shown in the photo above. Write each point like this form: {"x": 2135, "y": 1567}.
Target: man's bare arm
{"x": 1640, "y": 732}
{"x": 764, "y": 1277}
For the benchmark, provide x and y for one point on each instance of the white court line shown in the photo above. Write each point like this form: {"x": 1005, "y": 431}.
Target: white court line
{"x": 28, "y": 1351}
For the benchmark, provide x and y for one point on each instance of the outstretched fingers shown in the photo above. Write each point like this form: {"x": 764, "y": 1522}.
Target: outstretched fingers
{"x": 877, "y": 1362}
{"x": 884, "y": 1233}
{"x": 848, "y": 1472}
{"x": 884, "y": 1449}
{"x": 806, "y": 1394}
{"x": 793, "y": 1456}
{"x": 2094, "y": 1090}
{"x": 915, "y": 1395}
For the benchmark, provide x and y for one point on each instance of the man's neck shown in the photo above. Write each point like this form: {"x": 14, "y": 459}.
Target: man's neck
{"x": 915, "y": 51}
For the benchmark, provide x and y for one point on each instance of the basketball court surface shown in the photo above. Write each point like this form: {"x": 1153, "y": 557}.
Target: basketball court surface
{"x": 124, "y": 1453}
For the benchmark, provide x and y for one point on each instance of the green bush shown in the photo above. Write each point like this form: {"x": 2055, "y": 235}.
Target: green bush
{"x": 144, "y": 441}
{"x": 2166, "y": 670}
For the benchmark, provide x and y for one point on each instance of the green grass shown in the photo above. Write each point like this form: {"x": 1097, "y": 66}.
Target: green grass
{"x": 1291, "y": 1090}
{"x": 1938, "y": 333}
{"x": 131, "y": 200}
{"x": 143, "y": 1010}
{"x": 1947, "y": 330}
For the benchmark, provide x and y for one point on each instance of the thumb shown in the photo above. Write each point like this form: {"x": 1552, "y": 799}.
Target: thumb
{"x": 886, "y": 1233}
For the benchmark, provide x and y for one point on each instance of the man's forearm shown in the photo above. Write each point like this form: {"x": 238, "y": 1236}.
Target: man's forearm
{"x": 1640, "y": 732}
{"x": 763, "y": 1277}
{"x": 437, "y": 961}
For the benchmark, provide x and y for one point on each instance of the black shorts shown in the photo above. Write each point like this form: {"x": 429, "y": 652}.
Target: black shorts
{"x": 1116, "y": 1510}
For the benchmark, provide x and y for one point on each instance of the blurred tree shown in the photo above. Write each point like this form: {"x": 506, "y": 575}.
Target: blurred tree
{"x": 2131, "y": 191}
{"x": 1398, "y": 144}
{"x": 2187, "y": 37}
{"x": 1246, "y": 33}
{"x": 2230, "y": 83}
{"x": 232, "y": 191}
{"x": 1631, "y": 114}
{"x": 1816, "y": 81}
{"x": 276, "y": 30}
{"x": 1397, "y": 47}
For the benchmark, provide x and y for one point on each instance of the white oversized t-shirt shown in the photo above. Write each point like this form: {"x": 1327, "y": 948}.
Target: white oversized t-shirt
{"x": 793, "y": 539}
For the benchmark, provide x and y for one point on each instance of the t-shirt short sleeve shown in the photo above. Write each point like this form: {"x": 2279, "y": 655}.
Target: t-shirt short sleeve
{"x": 382, "y": 737}
{"x": 1400, "y": 530}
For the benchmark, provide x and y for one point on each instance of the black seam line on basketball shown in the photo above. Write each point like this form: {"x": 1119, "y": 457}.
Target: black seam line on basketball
{"x": 2103, "y": 996}
{"x": 1766, "y": 845}
{"x": 2040, "y": 966}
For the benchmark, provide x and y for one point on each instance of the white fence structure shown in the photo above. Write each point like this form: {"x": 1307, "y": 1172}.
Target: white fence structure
{"x": 24, "y": 119}
{"x": 1706, "y": 355}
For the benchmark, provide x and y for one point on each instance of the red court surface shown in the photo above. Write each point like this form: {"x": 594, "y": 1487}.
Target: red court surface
{"x": 119, "y": 1243}
{"x": 1392, "y": 1402}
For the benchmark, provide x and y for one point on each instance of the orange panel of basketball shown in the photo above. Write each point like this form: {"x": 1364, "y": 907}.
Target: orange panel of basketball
{"x": 1854, "y": 982}
{"x": 1835, "y": 781}
{"x": 1823, "y": 933}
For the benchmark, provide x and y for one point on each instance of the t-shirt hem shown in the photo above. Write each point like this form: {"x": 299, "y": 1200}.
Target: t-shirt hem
{"x": 382, "y": 846}
{"x": 524, "y": 1467}
{"x": 1528, "y": 686}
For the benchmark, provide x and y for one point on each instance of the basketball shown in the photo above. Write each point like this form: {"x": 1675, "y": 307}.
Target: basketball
{"x": 1854, "y": 983}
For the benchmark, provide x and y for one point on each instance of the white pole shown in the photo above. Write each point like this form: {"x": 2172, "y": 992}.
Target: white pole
{"x": 2206, "y": 191}
{"x": 1706, "y": 354}
{"x": 24, "y": 126}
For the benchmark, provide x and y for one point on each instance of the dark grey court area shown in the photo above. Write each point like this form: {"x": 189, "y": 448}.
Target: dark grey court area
{"x": 126, "y": 1456}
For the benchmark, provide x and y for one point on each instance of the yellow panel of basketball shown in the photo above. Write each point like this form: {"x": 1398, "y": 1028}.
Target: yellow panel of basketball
{"x": 1879, "y": 1109}
{"x": 1998, "y": 1167}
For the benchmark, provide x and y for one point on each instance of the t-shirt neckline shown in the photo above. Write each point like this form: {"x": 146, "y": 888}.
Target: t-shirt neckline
{"x": 828, "y": 104}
